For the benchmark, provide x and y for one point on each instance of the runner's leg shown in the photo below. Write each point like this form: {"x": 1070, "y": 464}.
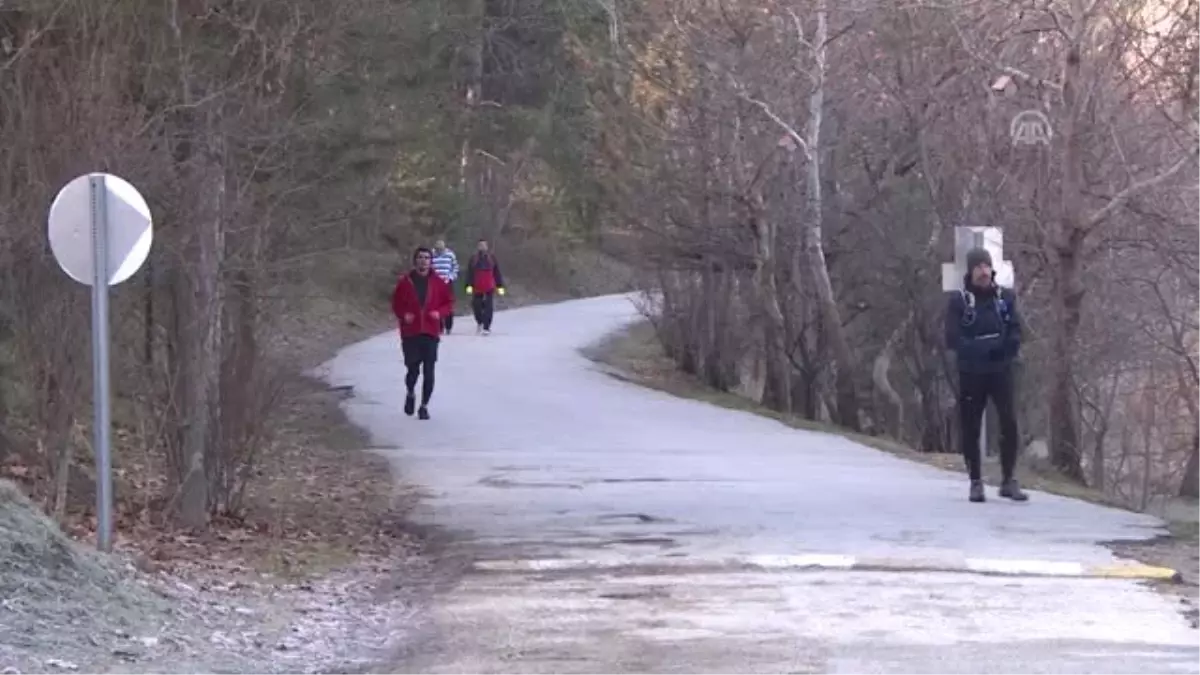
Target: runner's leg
{"x": 972, "y": 401}
{"x": 488, "y": 309}
{"x": 1002, "y": 394}
{"x": 477, "y": 308}
{"x": 412, "y": 362}
{"x": 428, "y": 361}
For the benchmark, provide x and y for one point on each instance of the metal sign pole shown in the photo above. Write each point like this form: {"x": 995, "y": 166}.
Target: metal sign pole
{"x": 117, "y": 219}
{"x": 100, "y": 384}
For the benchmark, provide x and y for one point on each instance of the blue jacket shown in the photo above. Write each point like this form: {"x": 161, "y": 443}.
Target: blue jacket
{"x": 987, "y": 335}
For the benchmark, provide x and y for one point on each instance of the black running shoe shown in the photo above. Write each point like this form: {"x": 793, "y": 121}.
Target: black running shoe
{"x": 423, "y": 413}
{"x": 410, "y": 402}
{"x": 977, "y": 494}
{"x": 1012, "y": 489}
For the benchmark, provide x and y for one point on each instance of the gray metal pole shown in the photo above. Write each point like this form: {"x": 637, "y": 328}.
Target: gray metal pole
{"x": 100, "y": 384}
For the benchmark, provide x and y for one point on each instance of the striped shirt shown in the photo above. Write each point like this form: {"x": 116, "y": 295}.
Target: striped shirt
{"x": 445, "y": 265}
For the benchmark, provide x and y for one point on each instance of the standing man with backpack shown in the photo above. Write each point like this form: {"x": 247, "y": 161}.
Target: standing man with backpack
{"x": 483, "y": 280}
{"x": 983, "y": 328}
{"x": 445, "y": 265}
{"x": 419, "y": 302}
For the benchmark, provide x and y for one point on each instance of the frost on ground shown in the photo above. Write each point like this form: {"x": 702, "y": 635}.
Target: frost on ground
{"x": 67, "y": 608}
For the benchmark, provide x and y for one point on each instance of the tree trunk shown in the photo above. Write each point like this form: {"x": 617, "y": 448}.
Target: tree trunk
{"x": 1065, "y": 453}
{"x": 1065, "y": 247}
{"x": 1099, "y": 459}
{"x": 1189, "y": 487}
{"x": 778, "y": 394}
{"x": 895, "y": 426}
{"x": 62, "y": 471}
{"x": 469, "y": 177}
{"x": 831, "y": 316}
{"x": 200, "y": 345}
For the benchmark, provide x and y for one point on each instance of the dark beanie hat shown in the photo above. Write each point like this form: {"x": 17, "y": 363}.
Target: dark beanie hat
{"x": 977, "y": 257}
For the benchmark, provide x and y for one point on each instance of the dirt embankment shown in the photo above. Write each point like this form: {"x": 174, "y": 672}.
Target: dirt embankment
{"x": 319, "y": 572}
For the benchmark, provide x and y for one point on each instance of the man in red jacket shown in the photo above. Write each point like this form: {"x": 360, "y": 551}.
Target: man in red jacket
{"x": 420, "y": 301}
{"x": 483, "y": 278}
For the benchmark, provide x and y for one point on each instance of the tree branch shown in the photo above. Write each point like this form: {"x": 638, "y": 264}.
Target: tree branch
{"x": 1123, "y": 196}
{"x": 1015, "y": 73}
{"x": 787, "y": 128}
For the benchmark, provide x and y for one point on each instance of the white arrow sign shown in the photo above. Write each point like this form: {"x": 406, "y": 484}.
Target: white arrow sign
{"x": 100, "y": 233}
{"x": 129, "y": 232}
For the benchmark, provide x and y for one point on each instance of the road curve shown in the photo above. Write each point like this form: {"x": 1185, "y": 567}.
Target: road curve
{"x": 657, "y": 505}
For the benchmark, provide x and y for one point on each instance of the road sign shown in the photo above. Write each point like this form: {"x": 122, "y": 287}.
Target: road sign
{"x": 100, "y": 233}
{"x": 128, "y": 225}
{"x": 965, "y": 239}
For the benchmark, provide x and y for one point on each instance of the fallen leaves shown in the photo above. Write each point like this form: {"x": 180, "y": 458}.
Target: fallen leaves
{"x": 287, "y": 585}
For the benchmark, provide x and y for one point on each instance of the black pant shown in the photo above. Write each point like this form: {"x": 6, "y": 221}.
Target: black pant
{"x": 448, "y": 320}
{"x": 483, "y": 307}
{"x": 974, "y": 390}
{"x": 420, "y": 353}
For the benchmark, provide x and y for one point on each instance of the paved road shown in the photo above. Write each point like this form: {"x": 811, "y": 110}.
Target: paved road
{"x": 534, "y": 454}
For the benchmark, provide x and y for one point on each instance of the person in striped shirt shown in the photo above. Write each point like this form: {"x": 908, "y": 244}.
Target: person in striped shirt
{"x": 445, "y": 265}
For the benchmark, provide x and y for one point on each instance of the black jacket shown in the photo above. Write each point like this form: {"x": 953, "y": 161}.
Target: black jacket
{"x": 986, "y": 337}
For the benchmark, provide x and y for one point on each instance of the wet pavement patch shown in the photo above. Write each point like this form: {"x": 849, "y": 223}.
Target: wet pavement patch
{"x": 638, "y": 517}
{"x": 640, "y": 594}
{"x": 496, "y": 482}
{"x": 660, "y": 541}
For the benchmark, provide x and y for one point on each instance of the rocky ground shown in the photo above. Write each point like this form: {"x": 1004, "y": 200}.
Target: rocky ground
{"x": 319, "y": 573}
{"x": 326, "y": 588}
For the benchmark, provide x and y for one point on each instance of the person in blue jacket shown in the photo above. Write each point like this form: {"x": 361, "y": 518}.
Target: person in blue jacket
{"x": 983, "y": 327}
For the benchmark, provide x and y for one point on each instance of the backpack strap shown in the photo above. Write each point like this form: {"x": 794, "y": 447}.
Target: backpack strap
{"x": 1002, "y": 306}
{"x": 968, "y": 315}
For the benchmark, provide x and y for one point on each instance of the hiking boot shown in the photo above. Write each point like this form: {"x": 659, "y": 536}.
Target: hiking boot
{"x": 977, "y": 494}
{"x": 1012, "y": 489}
{"x": 410, "y": 402}
{"x": 423, "y": 413}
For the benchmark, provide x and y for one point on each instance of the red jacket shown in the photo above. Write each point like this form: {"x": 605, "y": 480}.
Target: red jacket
{"x": 438, "y": 298}
{"x": 483, "y": 273}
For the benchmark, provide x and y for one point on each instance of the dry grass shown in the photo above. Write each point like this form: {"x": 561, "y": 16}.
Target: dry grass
{"x": 320, "y": 501}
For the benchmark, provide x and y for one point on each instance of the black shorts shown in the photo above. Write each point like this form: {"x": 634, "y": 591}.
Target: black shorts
{"x": 419, "y": 349}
